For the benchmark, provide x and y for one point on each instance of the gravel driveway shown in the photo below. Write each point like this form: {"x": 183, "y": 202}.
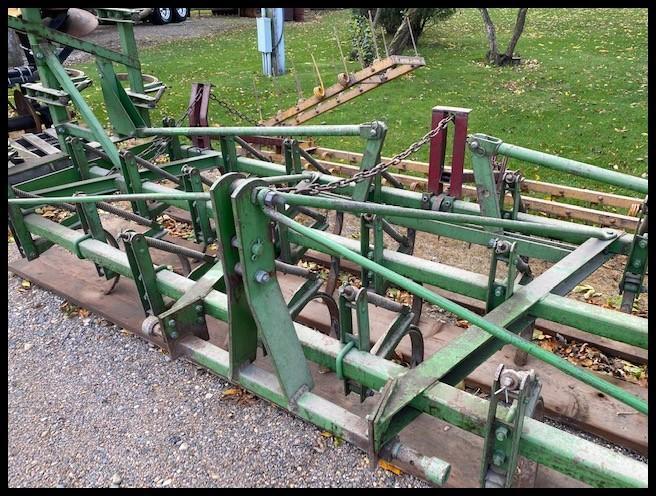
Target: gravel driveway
{"x": 89, "y": 405}
{"x": 147, "y": 34}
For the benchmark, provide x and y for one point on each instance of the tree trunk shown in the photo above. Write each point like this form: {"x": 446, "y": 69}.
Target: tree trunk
{"x": 493, "y": 51}
{"x": 402, "y": 36}
{"x": 519, "y": 28}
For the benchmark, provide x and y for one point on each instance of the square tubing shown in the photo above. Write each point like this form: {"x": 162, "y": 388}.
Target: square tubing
{"x": 199, "y": 103}
{"x": 437, "y": 176}
{"x": 542, "y": 443}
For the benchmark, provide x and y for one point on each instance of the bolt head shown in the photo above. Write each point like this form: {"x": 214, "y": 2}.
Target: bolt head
{"x": 262, "y": 277}
{"x": 373, "y": 132}
{"x": 171, "y": 322}
{"x": 200, "y": 319}
{"x": 637, "y": 263}
{"x": 642, "y": 244}
{"x": 174, "y": 335}
{"x": 474, "y": 145}
{"x": 501, "y": 433}
{"x": 199, "y": 308}
{"x": 498, "y": 292}
{"x": 498, "y": 457}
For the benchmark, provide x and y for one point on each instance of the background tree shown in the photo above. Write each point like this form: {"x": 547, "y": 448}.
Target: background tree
{"x": 493, "y": 56}
{"x": 393, "y": 21}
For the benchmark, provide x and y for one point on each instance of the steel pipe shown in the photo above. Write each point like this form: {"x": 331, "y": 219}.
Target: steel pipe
{"x": 574, "y": 167}
{"x": 346, "y": 130}
{"x": 392, "y": 210}
{"x": 475, "y": 319}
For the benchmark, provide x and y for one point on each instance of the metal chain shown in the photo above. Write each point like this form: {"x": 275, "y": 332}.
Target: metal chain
{"x": 159, "y": 143}
{"x": 380, "y": 168}
{"x": 233, "y": 111}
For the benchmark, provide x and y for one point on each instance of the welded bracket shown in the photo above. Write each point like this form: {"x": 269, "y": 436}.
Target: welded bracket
{"x": 511, "y": 182}
{"x": 91, "y": 224}
{"x": 249, "y": 260}
{"x": 143, "y": 271}
{"x": 502, "y": 436}
{"x": 368, "y": 224}
{"x": 483, "y": 148}
{"x": 242, "y": 329}
{"x": 187, "y": 315}
{"x": 19, "y": 230}
{"x": 292, "y": 156}
{"x": 506, "y": 252}
{"x": 200, "y": 219}
{"x": 352, "y": 299}
{"x": 374, "y": 133}
{"x": 132, "y": 178}
{"x": 636, "y": 263}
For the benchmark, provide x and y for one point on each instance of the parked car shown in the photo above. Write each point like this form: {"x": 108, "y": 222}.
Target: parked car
{"x": 166, "y": 15}
{"x": 160, "y": 15}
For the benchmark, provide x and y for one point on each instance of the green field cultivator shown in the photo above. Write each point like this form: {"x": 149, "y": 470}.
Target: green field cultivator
{"x": 267, "y": 217}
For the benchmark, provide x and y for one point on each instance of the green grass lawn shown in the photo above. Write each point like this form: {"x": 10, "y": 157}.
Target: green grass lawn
{"x": 582, "y": 93}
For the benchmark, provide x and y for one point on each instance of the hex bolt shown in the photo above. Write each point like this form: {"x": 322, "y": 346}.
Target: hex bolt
{"x": 199, "y": 308}
{"x": 506, "y": 215}
{"x": 643, "y": 244}
{"x": 501, "y": 433}
{"x": 200, "y": 319}
{"x": 174, "y": 335}
{"x": 474, "y": 145}
{"x": 637, "y": 262}
{"x": 171, "y": 323}
{"x": 373, "y": 132}
{"x": 498, "y": 457}
{"x": 262, "y": 277}
{"x": 498, "y": 292}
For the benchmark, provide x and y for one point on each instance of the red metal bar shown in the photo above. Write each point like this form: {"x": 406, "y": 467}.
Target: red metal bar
{"x": 436, "y": 154}
{"x": 437, "y": 176}
{"x": 199, "y": 103}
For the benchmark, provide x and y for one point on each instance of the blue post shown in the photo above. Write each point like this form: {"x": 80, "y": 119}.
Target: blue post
{"x": 278, "y": 33}
{"x": 271, "y": 41}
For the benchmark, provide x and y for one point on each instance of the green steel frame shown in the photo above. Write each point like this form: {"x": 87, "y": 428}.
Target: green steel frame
{"x": 242, "y": 289}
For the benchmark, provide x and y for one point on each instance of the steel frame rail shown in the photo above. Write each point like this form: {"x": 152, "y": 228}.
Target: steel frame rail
{"x": 546, "y": 445}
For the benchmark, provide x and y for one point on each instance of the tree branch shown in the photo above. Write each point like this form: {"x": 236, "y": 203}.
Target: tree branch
{"x": 493, "y": 52}
{"x": 519, "y": 28}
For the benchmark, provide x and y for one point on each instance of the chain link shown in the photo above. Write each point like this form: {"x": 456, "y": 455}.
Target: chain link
{"x": 380, "y": 168}
{"x": 234, "y": 112}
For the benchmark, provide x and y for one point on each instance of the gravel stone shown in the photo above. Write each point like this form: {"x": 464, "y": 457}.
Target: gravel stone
{"x": 109, "y": 405}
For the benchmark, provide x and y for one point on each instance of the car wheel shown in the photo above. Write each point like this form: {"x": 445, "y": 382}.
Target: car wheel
{"x": 161, "y": 16}
{"x": 180, "y": 15}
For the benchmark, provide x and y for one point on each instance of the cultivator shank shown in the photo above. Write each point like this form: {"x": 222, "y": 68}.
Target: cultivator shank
{"x": 264, "y": 218}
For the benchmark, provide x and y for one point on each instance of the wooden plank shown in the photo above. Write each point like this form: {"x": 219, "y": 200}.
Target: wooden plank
{"x": 41, "y": 144}
{"x": 568, "y": 212}
{"x": 347, "y": 94}
{"x": 561, "y": 210}
{"x": 555, "y": 190}
{"x": 300, "y": 110}
{"x": 332, "y": 90}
